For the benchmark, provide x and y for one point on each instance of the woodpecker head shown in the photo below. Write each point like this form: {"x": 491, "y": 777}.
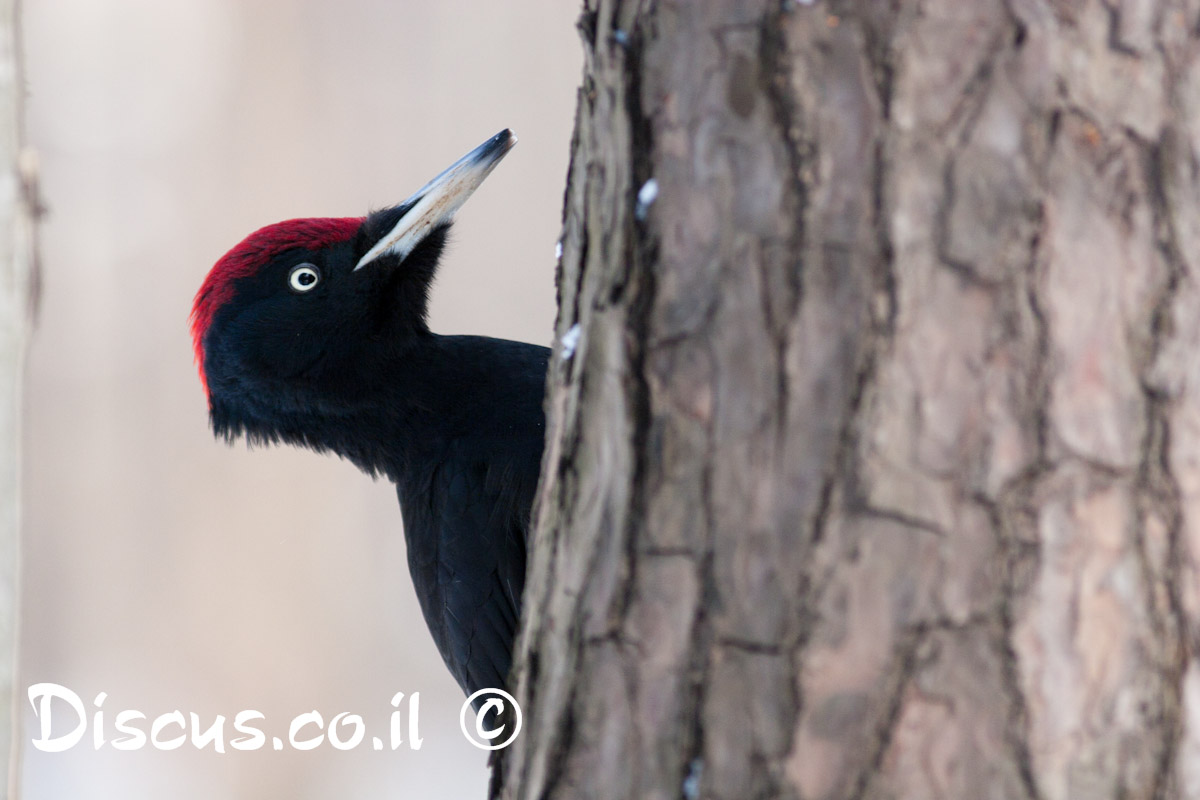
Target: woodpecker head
{"x": 303, "y": 317}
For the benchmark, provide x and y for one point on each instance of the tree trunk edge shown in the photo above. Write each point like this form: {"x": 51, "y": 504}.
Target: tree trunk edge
{"x": 19, "y": 208}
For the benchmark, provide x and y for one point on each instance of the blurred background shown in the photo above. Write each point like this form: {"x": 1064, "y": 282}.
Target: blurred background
{"x": 169, "y": 570}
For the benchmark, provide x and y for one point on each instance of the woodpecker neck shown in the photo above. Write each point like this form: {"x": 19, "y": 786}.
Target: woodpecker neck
{"x": 417, "y": 407}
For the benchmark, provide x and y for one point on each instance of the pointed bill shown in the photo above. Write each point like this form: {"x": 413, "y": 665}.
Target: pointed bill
{"x": 437, "y": 201}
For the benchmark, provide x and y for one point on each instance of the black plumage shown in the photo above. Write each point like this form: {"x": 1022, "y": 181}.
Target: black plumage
{"x": 313, "y": 332}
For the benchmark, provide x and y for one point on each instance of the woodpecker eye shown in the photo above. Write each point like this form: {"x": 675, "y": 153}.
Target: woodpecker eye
{"x": 304, "y": 278}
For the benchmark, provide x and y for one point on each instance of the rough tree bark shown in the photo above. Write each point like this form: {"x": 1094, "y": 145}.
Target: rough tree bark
{"x": 876, "y": 469}
{"x": 17, "y": 208}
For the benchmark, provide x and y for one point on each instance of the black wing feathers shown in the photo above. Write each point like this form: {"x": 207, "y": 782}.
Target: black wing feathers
{"x": 466, "y": 547}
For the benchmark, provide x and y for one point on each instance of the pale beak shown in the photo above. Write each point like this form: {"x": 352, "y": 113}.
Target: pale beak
{"x": 437, "y": 201}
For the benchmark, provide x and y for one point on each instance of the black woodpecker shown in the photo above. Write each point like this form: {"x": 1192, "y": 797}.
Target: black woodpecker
{"x": 313, "y": 332}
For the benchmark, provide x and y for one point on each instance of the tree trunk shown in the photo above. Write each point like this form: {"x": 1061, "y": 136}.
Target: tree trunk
{"x": 17, "y": 208}
{"x": 875, "y": 471}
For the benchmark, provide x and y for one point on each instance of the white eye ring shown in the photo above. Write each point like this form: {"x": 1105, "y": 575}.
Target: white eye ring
{"x": 304, "y": 278}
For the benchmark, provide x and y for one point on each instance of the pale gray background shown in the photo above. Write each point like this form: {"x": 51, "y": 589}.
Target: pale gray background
{"x": 169, "y": 570}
